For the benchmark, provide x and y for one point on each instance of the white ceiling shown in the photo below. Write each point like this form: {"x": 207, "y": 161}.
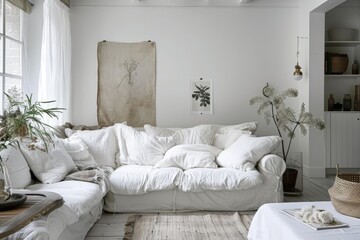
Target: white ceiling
{"x": 188, "y": 3}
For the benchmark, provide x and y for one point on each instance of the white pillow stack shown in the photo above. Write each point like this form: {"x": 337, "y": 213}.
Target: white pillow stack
{"x": 246, "y": 151}
{"x": 140, "y": 148}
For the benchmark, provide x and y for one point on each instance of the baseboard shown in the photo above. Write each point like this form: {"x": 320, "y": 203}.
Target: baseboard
{"x": 332, "y": 171}
{"x": 314, "y": 172}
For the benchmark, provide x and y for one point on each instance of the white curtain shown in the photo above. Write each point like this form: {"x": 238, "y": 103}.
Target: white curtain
{"x": 55, "y": 69}
{"x": 25, "y": 85}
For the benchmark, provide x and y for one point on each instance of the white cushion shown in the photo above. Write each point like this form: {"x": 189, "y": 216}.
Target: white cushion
{"x": 202, "y": 134}
{"x": 135, "y": 179}
{"x": 247, "y": 126}
{"x": 18, "y": 168}
{"x": 158, "y": 131}
{"x": 247, "y": 150}
{"x": 190, "y": 156}
{"x": 51, "y": 166}
{"x": 80, "y": 196}
{"x": 101, "y": 144}
{"x": 220, "y": 179}
{"x": 224, "y": 141}
{"x": 137, "y": 147}
{"x": 79, "y": 152}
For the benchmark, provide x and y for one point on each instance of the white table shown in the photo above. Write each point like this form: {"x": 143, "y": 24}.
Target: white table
{"x": 270, "y": 223}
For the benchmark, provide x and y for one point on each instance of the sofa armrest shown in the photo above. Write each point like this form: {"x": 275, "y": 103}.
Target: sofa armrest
{"x": 272, "y": 164}
{"x": 272, "y": 167}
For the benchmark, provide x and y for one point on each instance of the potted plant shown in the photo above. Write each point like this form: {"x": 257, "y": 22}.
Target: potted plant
{"x": 272, "y": 105}
{"x": 23, "y": 118}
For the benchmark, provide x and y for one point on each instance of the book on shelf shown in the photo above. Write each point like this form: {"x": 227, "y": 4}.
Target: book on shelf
{"x": 317, "y": 226}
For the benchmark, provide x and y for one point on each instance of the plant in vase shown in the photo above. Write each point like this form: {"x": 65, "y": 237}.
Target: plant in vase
{"x": 22, "y": 119}
{"x": 272, "y": 105}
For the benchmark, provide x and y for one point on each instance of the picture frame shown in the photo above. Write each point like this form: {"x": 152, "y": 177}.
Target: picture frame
{"x": 201, "y": 94}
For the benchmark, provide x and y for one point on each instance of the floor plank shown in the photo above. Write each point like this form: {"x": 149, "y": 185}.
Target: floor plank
{"x": 111, "y": 226}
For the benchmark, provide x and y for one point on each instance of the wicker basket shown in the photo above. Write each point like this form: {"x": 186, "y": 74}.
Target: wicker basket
{"x": 345, "y": 192}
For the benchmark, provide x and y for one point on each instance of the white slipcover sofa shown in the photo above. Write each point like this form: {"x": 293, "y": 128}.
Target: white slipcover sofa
{"x": 207, "y": 167}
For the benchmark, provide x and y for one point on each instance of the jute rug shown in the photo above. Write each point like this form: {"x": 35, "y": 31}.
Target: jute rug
{"x": 189, "y": 226}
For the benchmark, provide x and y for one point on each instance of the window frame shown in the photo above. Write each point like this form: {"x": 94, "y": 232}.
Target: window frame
{"x": 6, "y": 38}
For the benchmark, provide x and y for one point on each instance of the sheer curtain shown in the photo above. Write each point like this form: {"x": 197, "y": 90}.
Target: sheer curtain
{"x": 55, "y": 69}
{"x": 25, "y": 85}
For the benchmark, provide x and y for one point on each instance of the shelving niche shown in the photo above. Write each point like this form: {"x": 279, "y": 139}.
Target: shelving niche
{"x": 343, "y": 127}
{"x": 341, "y": 84}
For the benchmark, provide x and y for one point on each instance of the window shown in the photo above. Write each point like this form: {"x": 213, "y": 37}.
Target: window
{"x": 11, "y": 47}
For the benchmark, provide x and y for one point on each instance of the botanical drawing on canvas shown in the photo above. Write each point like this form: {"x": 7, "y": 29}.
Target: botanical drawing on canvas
{"x": 201, "y": 97}
{"x": 130, "y": 69}
{"x": 126, "y": 84}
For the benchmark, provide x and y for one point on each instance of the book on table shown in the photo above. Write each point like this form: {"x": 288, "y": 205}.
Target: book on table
{"x": 317, "y": 226}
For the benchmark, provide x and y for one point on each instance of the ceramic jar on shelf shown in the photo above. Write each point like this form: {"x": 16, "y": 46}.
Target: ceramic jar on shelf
{"x": 347, "y": 102}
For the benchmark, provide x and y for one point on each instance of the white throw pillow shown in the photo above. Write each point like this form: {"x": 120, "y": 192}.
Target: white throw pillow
{"x": 247, "y": 151}
{"x": 51, "y": 166}
{"x": 101, "y": 144}
{"x": 18, "y": 168}
{"x": 189, "y": 156}
{"x": 247, "y": 126}
{"x": 140, "y": 148}
{"x": 224, "y": 141}
{"x": 69, "y": 132}
{"x": 79, "y": 152}
{"x": 202, "y": 134}
{"x": 158, "y": 131}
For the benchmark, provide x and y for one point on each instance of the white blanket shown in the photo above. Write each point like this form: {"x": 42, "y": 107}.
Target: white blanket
{"x": 187, "y": 156}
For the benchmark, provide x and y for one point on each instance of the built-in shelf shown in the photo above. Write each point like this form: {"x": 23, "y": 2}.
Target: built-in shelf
{"x": 342, "y": 43}
{"x": 342, "y": 75}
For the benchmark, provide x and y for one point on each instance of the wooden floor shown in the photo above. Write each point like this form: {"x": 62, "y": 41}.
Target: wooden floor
{"x": 111, "y": 226}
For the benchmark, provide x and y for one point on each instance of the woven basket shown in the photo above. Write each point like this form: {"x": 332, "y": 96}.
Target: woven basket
{"x": 345, "y": 192}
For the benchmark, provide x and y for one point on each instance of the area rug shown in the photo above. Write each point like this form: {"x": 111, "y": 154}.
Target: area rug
{"x": 189, "y": 226}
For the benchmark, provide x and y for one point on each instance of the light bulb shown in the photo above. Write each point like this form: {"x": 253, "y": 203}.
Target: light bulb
{"x": 297, "y": 74}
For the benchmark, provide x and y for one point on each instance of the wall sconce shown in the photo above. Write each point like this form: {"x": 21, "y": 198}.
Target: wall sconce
{"x": 297, "y": 73}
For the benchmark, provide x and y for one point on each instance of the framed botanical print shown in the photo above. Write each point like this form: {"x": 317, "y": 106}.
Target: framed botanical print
{"x": 201, "y": 96}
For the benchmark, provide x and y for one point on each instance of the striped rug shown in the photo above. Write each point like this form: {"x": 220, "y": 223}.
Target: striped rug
{"x": 189, "y": 226}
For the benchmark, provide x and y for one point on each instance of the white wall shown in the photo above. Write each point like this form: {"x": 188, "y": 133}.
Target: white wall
{"x": 239, "y": 48}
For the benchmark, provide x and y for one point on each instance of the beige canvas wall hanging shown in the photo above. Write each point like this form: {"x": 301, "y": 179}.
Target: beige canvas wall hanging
{"x": 126, "y": 83}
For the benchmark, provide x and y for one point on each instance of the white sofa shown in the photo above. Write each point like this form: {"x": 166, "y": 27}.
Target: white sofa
{"x": 179, "y": 182}
{"x": 151, "y": 174}
{"x": 83, "y": 202}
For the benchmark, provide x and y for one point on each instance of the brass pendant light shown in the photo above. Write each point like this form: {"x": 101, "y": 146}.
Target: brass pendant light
{"x": 297, "y": 73}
